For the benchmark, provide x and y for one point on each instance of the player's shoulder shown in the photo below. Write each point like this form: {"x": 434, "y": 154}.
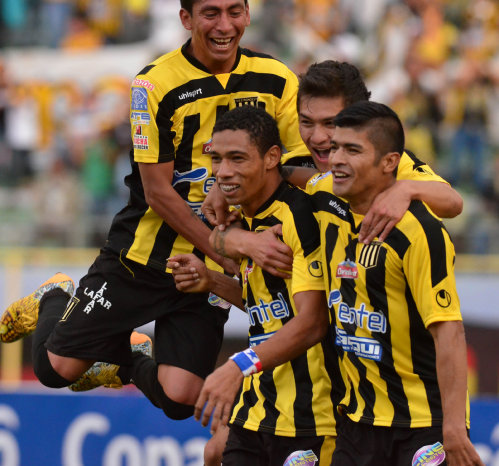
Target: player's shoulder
{"x": 266, "y": 62}
{"x": 320, "y": 182}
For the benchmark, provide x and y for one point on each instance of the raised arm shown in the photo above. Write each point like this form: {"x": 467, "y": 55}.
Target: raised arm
{"x": 304, "y": 330}
{"x": 167, "y": 203}
{"x": 450, "y": 347}
{"x": 390, "y": 205}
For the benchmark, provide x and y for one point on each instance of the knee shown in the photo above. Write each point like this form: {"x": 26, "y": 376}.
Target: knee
{"x": 47, "y": 375}
{"x": 179, "y": 385}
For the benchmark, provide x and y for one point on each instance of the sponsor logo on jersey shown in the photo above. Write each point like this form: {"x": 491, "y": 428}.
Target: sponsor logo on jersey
{"x": 139, "y": 98}
{"x": 369, "y": 254}
{"x": 215, "y": 300}
{"x": 315, "y": 269}
{"x": 263, "y": 311}
{"x": 429, "y": 455}
{"x": 247, "y": 271}
{"x": 368, "y": 348}
{"x": 139, "y": 140}
{"x": 301, "y": 458}
{"x": 338, "y": 208}
{"x": 347, "y": 269}
{"x": 207, "y": 147}
{"x": 255, "y": 340}
{"x": 374, "y": 321}
{"x": 190, "y": 176}
{"x": 96, "y": 297}
{"x": 443, "y": 298}
{"x": 316, "y": 178}
{"x": 144, "y": 83}
{"x": 190, "y": 94}
{"x": 140, "y": 118}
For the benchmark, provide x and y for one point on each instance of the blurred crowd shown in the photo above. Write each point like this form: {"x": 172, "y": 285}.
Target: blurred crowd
{"x": 64, "y": 147}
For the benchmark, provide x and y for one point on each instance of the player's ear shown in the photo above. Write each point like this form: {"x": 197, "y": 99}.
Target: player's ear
{"x": 272, "y": 157}
{"x": 248, "y": 18}
{"x": 390, "y": 162}
{"x": 185, "y": 18}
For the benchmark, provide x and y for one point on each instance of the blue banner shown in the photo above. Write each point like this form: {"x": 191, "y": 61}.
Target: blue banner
{"x": 118, "y": 428}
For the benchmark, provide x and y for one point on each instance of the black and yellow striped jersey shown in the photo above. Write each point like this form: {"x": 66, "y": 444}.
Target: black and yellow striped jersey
{"x": 175, "y": 102}
{"x": 294, "y": 399}
{"x": 383, "y": 297}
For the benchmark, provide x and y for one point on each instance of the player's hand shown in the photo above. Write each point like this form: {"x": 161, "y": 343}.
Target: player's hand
{"x": 214, "y": 207}
{"x": 217, "y": 395}
{"x": 230, "y": 266}
{"x": 190, "y": 273}
{"x": 459, "y": 451}
{"x": 385, "y": 212}
{"x": 269, "y": 252}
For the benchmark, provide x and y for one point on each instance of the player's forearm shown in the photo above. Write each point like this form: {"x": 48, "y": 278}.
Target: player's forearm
{"x": 442, "y": 199}
{"x": 232, "y": 242}
{"x": 226, "y": 287}
{"x": 450, "y": 347}
{"x": 298, "y": 176}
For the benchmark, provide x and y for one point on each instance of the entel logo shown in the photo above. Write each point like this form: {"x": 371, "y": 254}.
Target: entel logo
{"x": 278, "y": 310}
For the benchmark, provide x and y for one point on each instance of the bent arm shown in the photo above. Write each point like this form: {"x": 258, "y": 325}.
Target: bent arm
{"x": 167, "y": 203}
{"x": 450, "y": 348}
{"x": 298, "y": 176}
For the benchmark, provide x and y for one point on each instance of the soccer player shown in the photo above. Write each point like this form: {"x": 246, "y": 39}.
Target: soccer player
{"x": 399, "y": 333}
{"x": 287, "y": 407}
{"x": 175, "y": 102}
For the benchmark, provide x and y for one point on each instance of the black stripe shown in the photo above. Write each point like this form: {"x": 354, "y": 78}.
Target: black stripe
{"x": 326, "y": 202}
{"x": 302, "y": 409}
{"x": 398, "y": 242}
{"x": 307, "y": 228}
{"x": 252, "y": 53}
{"x": 269, "y": 392}
{"x": 376, "y": 290}
{"x": 146, "y": 69}
{"x": 416, "y": 161}
{"x": 433, "y": 229}
{"x": 424, "y": 358}
{"x": 261, "y": 83}
{"x": 249, "y": 400}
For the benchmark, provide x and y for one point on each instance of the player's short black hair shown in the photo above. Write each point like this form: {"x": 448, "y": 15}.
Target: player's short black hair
{"x": 384, "y": 128}
{"x": 332, "y": 78}
{"x": 187, "y": 4}
{"x": 261, "y": 127}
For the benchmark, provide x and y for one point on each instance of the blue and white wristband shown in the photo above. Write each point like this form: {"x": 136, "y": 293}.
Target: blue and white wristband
{"x": 247, "y": 361}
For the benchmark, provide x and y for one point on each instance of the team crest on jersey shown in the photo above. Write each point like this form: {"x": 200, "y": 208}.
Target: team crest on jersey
{"x": 369, "y": 254}
{"x": 347, "y": 269}
{"x": 301, "y": 458}
{"x": 247, "y": 271}
{"x": 207, "y": 147}
{"x": 443, "y": 298}
{"x": 139, "y": 98}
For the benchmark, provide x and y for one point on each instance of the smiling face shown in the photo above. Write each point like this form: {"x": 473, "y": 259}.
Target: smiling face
{"x": 216, "y": 27}
{"x": 244, "y": 176}
{"x": 316, "y": 115}
{"x": 359, "y": 173}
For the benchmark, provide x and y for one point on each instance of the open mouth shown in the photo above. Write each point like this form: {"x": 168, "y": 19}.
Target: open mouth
{"x": 222, "y": 44}
{"x": 322, "y": 154}
{"x": 228, "y": 188}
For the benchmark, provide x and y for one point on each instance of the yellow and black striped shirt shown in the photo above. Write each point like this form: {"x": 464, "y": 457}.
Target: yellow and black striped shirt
{"x": 383, "y": 297}
{"x": 175, "y": 102}
{"x": 294, "y": 399}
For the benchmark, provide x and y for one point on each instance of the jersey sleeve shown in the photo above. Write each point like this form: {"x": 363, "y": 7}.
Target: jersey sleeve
{"x": 411, "y": 168}
{"x": 301, "y": 233}
{"x": 429, "y": 269}
{"x": 150, "y": 144}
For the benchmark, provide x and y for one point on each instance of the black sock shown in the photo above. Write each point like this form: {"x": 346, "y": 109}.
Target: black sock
{"x": 144, "y": 374}
{"x": 52, "y": 306}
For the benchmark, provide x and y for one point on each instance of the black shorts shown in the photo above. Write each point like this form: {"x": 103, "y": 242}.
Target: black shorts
{"x": 360, "y": 444}
{"x": 118, "y": 295}
{"x": 249, "y": 448}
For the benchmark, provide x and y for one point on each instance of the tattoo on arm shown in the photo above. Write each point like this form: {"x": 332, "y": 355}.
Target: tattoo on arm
{"x": 287, "y": 171}
{"x": 220, "y": 242}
